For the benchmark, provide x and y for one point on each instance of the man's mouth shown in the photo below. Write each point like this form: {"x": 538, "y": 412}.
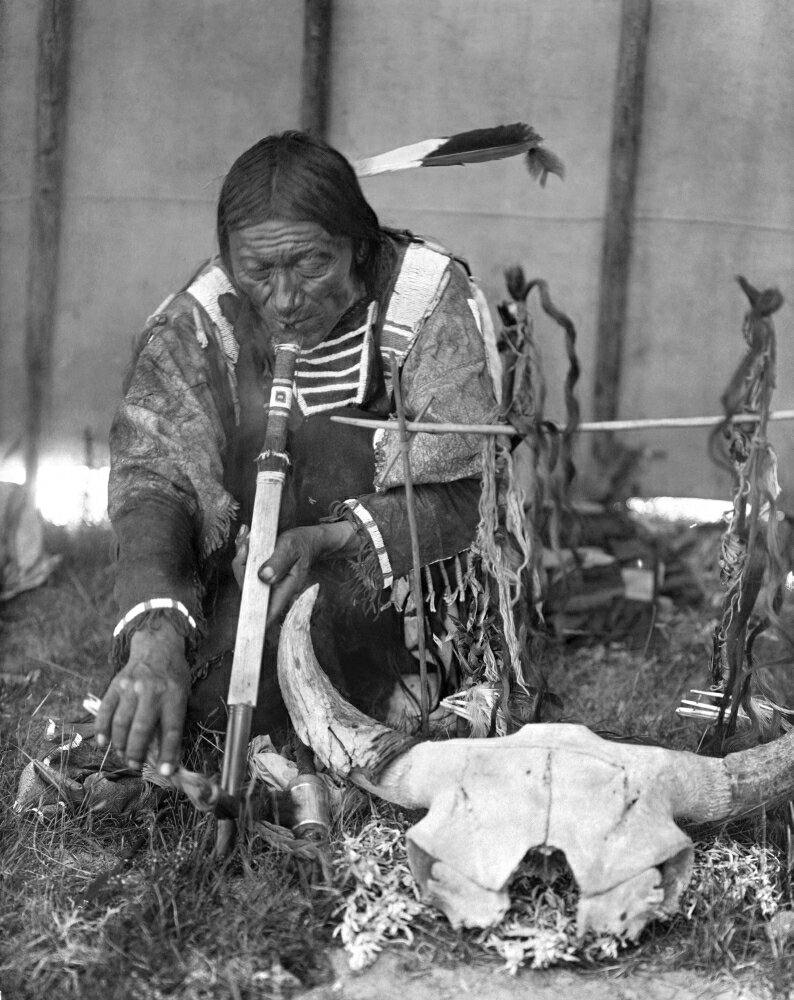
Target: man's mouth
{"x": 291, "y": 322}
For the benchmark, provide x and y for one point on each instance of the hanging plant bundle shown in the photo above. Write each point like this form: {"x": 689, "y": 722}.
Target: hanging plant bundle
{"x": 751, "y": 565}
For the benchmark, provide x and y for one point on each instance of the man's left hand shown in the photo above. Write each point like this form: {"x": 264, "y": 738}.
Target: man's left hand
{"x": 295, "y": 552}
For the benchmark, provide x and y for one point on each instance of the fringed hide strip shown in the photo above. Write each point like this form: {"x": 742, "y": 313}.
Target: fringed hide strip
{"x": 517, "y": 514}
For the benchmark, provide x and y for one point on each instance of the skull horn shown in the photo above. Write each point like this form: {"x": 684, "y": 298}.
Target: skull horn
{"x": 346, "y": 741}
{"x": 610, "y": 807}
{"x": 395, "y": 767}
{"x": 712, "y": 790}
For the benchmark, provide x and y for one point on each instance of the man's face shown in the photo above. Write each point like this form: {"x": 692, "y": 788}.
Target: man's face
{"x": 298, "y": 278}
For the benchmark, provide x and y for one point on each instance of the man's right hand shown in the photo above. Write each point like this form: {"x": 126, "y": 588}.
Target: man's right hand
{"x": 147, "y": 699}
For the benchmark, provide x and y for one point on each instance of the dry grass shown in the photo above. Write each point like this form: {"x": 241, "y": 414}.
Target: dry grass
{"x": 169, "y": 922}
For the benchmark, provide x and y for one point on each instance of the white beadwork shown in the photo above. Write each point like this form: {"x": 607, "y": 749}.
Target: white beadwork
{"x": 206, "y": 290}
{"x": 152, "y": 605}
{"x": 367, "y": 522}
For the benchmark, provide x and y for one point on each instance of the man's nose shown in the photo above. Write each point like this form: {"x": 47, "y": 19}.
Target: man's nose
{"x": 285, "y": 294}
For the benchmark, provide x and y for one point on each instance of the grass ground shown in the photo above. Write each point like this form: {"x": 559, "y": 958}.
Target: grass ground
{"x": 133, "y": 906}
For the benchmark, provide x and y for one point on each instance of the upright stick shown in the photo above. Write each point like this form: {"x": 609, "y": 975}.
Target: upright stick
{"x": 416, "y": 575}
{"x": 619, "y": 219}
{"x": 315, "y": 67}
{"x": 249, "y": 644}
{"x": 52, "y": 80}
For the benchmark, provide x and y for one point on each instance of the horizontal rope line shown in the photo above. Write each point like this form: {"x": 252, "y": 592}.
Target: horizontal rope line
{"x": 434, "y": 210}
{"x": 671, "y": 220}
{"x": 108, "y": 198}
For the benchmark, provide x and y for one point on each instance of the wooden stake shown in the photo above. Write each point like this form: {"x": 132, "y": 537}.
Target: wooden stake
{"x": 315, "y": 76}
{"x": 416, "y": 576}
{"x": 618, "y": 223}
{"x": 52, "y": 77}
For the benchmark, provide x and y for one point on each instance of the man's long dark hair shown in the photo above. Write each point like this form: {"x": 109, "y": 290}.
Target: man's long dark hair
{"x": 296, "y": 177}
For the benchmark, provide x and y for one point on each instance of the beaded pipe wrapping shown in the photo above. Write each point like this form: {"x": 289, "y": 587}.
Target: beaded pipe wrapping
{"x": 249, "y": 643}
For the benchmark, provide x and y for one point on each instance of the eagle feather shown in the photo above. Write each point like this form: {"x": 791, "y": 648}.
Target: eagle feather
{"x": 475, "y": 146}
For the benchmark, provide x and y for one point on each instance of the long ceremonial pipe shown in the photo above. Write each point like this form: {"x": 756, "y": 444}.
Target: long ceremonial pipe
{"x": 249, "y": 643}
{"x": 418, "y": 427}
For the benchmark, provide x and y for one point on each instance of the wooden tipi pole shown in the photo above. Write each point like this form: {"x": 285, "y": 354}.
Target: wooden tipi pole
{"x": 315, "y": 74}
{"x": 52, "y": 78}
{"x": 618, "y": 225}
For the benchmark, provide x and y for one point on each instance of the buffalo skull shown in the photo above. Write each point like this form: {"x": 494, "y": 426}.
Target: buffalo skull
{"x": 610, "y": 807}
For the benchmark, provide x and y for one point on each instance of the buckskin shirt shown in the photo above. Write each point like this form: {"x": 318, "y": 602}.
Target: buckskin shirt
{"x": 185, "y": 439}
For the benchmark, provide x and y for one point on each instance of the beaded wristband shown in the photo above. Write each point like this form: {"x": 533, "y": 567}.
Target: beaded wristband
{"x": 151, "y": 605}
{"x": 367, "y": 522}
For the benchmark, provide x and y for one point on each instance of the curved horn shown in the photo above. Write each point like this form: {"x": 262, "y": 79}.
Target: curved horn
{"x": 714, "y": 789}
{"x": 393, "y": 766}
{"x": 347, "y": 741}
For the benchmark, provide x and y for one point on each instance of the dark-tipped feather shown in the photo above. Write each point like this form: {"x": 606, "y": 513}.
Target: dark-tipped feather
{"x": 483, "y": 144}
{"x": 475, "y": 146}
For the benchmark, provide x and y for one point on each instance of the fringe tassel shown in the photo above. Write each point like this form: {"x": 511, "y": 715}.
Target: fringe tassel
{"x": 366, "y": 590}
{"x": 217, "y": 527}
{"x": 503, "y": 545}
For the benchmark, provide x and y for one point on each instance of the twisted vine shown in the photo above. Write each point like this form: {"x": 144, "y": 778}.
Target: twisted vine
{"x": 750, "y": 551}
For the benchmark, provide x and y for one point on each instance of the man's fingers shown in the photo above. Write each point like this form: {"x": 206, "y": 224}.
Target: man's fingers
{"x": 278, "y": 602}
{"x": 145, "y": 702}
{"x": 278, "y": 565}
{"x": 282, "y": 594}
{"x": 286, "y": 569}
{"x": 172, "y": 721}
{"x": 144, "y": 724}
{"x": 124, "y": 714}
{"x": 241, "y": 543}
{"x": 105, "y": 715}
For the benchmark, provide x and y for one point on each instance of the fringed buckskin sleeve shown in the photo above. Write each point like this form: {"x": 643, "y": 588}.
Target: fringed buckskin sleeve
{"x": 446, "y": 519}
{"x": 445, "y": 371}
{"x": 166, "y": 498}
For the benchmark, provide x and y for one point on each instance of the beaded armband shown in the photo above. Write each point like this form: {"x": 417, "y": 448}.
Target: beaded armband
{"x": 152, "y": 605}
